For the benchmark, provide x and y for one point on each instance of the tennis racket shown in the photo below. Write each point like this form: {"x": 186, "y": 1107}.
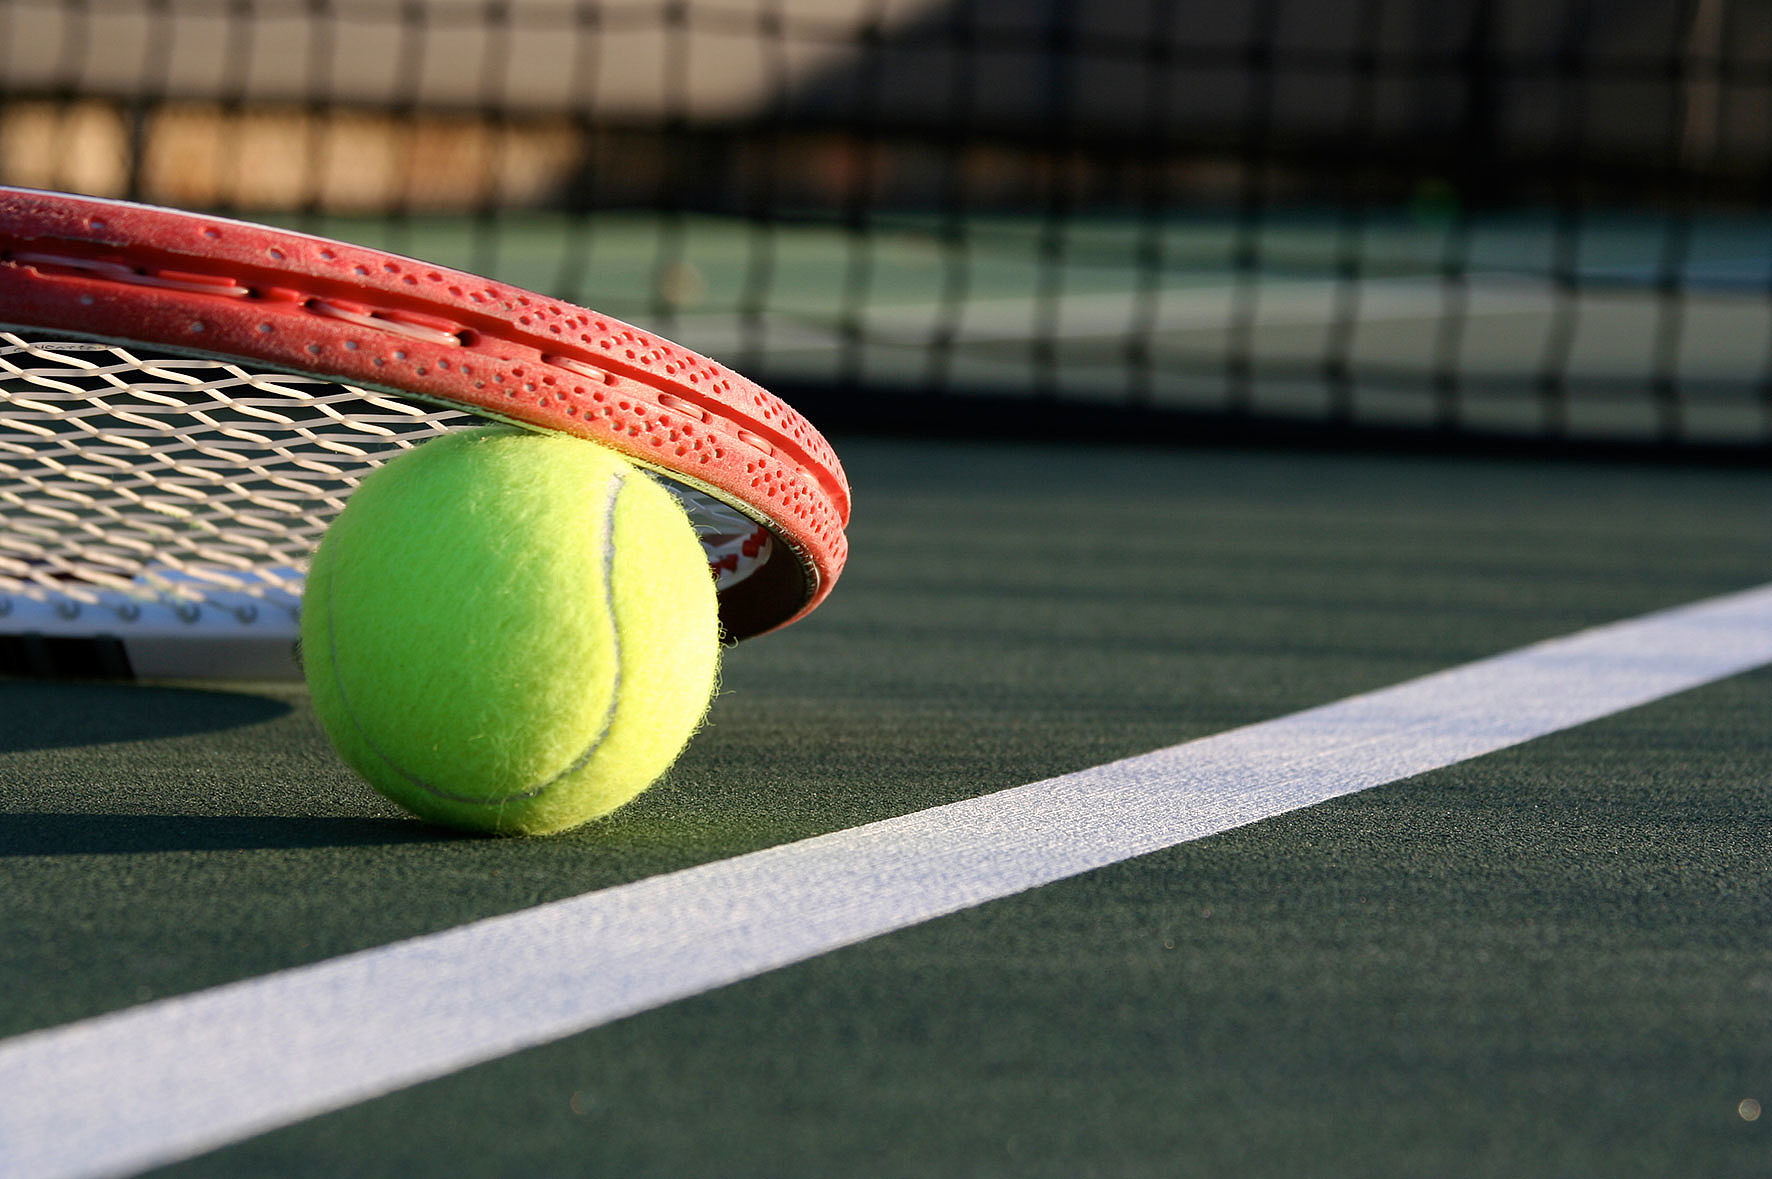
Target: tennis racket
{"x": 186, "y": 401}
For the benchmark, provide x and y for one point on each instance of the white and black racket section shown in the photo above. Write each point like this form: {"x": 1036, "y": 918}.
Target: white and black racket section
{"x": 113, "y": 635}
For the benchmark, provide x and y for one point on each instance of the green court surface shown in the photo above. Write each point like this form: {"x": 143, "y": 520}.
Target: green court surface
{"x": 1550, "y": 961}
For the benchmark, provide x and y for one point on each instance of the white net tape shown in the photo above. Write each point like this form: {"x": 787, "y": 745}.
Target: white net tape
{"x": 200, "y": 485}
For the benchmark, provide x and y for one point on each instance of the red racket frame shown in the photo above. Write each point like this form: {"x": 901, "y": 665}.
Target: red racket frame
{"x": 208, "y": 286}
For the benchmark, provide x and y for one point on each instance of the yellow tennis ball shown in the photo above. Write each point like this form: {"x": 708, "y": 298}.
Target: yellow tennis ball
{"x": 510, "y": 632}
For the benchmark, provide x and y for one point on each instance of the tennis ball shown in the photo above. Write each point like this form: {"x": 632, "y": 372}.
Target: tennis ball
{"x": 510, "y": 632}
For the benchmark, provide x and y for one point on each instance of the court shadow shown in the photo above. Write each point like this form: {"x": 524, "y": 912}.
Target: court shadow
{"x": 66, "y": 834}
{"x": 49, "y": 715}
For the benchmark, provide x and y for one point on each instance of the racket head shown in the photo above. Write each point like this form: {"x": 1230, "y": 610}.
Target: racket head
{"x": 177, "y": 283}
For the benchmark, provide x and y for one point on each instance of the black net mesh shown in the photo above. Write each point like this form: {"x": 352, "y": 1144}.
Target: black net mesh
{"x": 1464, "y": 218}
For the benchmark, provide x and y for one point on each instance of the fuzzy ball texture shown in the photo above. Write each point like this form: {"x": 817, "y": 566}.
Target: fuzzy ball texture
{"x": 510, "y": 632}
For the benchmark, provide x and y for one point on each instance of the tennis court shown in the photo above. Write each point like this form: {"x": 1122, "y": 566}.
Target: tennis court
{"x": 1549, "y": 959}
{"x": 1297, "y": 702}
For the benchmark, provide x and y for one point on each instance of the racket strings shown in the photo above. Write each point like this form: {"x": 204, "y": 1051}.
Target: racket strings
{"x": 127, "y": 477}
{"x": 177, "y": 478}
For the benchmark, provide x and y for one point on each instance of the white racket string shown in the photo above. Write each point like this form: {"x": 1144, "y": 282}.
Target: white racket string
{"x": 188, "y": 493}
{"x": 177, "y": 478}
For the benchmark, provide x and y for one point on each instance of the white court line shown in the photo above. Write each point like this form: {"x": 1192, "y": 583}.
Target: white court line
{"x": 1277, "y": 302}
{"x": 170, "y": 1079}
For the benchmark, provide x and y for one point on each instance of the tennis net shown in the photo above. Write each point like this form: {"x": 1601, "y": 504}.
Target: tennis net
{"x": 1508, "y": 219}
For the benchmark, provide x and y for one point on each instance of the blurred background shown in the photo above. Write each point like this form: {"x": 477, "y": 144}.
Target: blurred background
{"x": 1472, "y": 221}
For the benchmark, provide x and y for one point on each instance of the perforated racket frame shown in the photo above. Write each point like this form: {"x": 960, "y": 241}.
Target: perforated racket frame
{"x": 205, "y": 286}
